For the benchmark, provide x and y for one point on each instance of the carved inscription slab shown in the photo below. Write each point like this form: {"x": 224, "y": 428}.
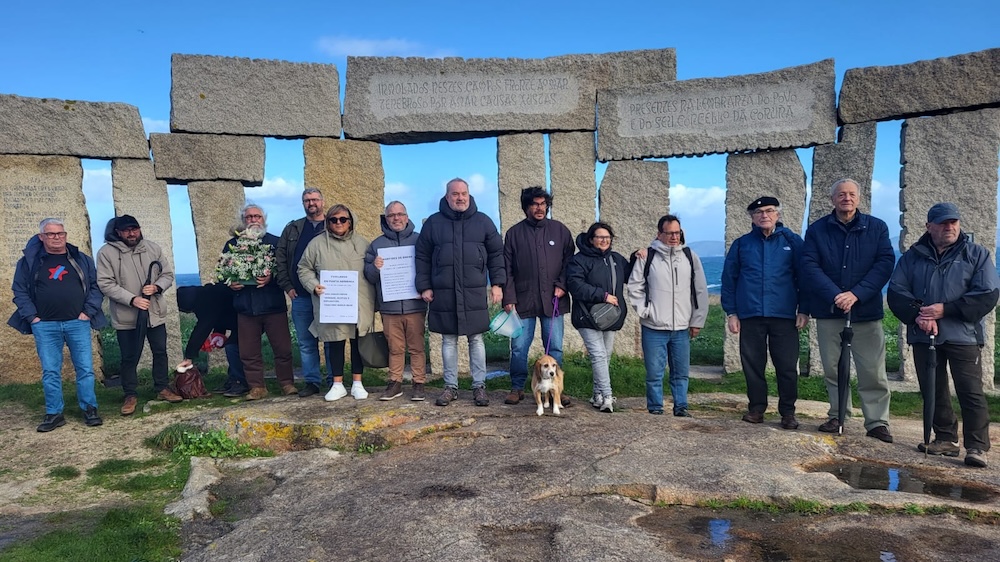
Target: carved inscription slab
{"x": 394, "y": 100}
{"x": 792, "y": 107}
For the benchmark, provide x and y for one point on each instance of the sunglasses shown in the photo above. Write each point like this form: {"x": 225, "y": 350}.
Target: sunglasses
{"x": 335, "y": 220}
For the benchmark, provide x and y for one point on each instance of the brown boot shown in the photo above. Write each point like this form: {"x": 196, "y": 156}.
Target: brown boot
{"x": 514, "y": 397}
{"x": 128, "y": 406}
{"x": 289, "y": 389}
{"x": 169, "y": 396}
{"x": 256, "y": 393}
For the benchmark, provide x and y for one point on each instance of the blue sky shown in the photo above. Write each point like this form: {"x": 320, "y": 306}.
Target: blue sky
{"x": 120, "y": 51}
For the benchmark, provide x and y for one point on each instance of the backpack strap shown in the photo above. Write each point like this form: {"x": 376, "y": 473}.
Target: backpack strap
{"x": 650, "y": 254}
{"x": 694, "y": 296}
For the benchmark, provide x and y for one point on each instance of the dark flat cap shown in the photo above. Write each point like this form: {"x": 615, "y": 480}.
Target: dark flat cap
{"x": 763, "y": 202}
{"x": 943, "y": 212}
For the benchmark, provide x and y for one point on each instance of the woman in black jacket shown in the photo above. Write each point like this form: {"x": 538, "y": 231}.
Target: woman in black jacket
{"x": 595, "y": 275}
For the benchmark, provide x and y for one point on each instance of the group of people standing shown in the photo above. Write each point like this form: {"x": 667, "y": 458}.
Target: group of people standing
{"x": 772, "y": 282}
{"x": 941, "y": 288}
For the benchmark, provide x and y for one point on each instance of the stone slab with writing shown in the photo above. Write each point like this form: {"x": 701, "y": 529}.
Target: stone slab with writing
{"x": 241, "y": 96}
{"x": 183, "y": 157}
{"x": 394, "y": 100}
{"x": 927, "y": 87}
{"x": 71, "y": 128}
{"x": 788, "y": 108}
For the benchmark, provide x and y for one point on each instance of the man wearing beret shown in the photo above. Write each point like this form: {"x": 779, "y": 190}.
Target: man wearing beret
{"x": 846, "y": 260}
{"x": 760, "y": 295}
{"x": 122, "y": 267}
{"x": 943, "y": 286}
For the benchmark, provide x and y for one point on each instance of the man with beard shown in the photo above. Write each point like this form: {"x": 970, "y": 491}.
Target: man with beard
{"x": 122, "y": 267}
{"x": 294, "y": 239}
{"x": 261, "y": 309}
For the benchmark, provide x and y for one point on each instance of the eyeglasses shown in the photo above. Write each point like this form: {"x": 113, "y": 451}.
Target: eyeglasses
{"x": 395, "y": 215}
{"x": 602, "y": 238}
{"x": 671, "y": 233}
{"x": 311, "y": 200}
{"x": 52, "y": 235}
{"x": 336, "y": 220}
{"x": 129, "y": 230}
{"x": 539, "y": 205}
{"x": 762, "y": 212}
{"x": 253, "y": 217}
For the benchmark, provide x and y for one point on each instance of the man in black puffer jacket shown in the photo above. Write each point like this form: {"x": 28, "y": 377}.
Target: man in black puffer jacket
{"x": 459, "y": 254}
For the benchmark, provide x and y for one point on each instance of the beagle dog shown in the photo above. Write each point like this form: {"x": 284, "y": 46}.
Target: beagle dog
{"x": 546, "y": 380}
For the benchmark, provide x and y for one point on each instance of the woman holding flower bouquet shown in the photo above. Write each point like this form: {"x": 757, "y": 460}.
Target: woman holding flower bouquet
{"x": 247, "y": 266}
{"x": 339, "y": 248}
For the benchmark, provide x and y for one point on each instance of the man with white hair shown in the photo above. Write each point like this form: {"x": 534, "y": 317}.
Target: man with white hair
{"x": 261, "y": 309}
{"x": 58, "y": 302}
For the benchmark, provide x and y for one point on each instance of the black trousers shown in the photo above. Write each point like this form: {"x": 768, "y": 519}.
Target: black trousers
{"x": 967, "y": 372}
{"x": 334, "y": 351}
{"x": 758, "y": 335}
{"x": 131, "y": 349}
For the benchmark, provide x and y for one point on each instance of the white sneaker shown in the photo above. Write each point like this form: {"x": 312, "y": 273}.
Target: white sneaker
{"x": 596, "y": 400}
{"x": 337, "y": 391}
{"x": 358, "y": 391}
{"x": 607, "y": 405}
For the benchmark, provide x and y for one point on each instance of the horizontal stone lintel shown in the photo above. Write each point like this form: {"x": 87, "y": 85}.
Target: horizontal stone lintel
{"x": 180, "y": 158}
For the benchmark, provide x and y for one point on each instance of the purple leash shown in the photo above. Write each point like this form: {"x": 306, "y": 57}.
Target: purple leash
{"x": 555, "y": 312}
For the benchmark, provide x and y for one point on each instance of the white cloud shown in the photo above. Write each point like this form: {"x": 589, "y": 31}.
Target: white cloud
{"x": 478, "y": 185}
{"x": 276, "y": 188}
{"x": 97, "y": 186}
{"x": 155, "y": 125}
{"x": 340, "y": 46}
{"x": 697, "y": 201}
{"x": 396, "y": 190}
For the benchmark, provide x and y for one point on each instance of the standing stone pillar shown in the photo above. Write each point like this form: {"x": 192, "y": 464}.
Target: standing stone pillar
{"x": 136, "y": 192}
{"x": 33, "y": 188}
{"x": 215, "y": 210}
{"x": 572, "y": 167}
{"x": 852, "y": 157}
{"x": 350, "y": 173}
{"x": 634, "y": 195}
{"x": 951, "y": 158}
{"x": 778, "y": 173}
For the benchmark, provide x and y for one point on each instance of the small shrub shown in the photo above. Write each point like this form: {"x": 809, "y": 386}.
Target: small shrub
{"x": 169, "y": 437}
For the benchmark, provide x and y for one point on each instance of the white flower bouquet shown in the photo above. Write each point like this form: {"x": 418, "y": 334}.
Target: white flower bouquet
{"x": 245, "y": 260}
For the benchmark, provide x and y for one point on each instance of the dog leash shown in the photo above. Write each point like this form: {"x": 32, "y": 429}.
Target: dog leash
{"x": 555, "y": 312}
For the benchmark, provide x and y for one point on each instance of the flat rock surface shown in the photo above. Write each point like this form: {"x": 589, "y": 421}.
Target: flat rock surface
{"x": 501, "y": 483}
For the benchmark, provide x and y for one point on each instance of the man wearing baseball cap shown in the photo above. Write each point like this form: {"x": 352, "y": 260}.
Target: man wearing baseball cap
{"x": 760, "y": 295}
{"x": 943, "y": 286}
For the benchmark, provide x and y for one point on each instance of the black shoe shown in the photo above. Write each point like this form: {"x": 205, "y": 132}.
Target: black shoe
{"x": 682, "y": 413}
{"x": 656, "y": 412}
{"x": 91, "y": 418}
{"x": 236, "y": 391}
{"x": 224, "y": 388}
{"x": 51, "y": 422}
{"x": 753, "y": 417}
{"x": 881, "y": 433}
{"x": 309, "y": 389}
{"x": 789, "y": 421}
{"x": 831, "y": 425}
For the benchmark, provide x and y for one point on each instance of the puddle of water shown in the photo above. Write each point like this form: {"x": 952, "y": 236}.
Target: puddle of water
{"x": 886, "y": 557}
{"x": 718, "y": 531}
{"x": 871, "y": 476}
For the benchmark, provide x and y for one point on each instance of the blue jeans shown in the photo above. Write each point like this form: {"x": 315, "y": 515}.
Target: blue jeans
{"x": 599, "y": 346}
{"x": 658, "y": 348}
{"x": 302, "y": 317}
{"x": 49, "y": 339}
{"x": 235, "y": 373}
{"x": 477, "y": 359}
{"x": 552, "y": 334}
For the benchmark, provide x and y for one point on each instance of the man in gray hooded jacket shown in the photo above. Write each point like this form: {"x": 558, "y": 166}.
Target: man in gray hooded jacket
{"x": 402, "y": 320}
{"x": 943, "y": 286}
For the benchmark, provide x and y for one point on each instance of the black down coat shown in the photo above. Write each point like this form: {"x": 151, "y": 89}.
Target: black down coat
{"x": 459, "y": 254}
{"x": 588, "y": 275}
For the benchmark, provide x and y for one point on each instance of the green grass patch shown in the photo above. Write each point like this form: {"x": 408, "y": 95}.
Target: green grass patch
{"x": 216, "y": 444}
{"x": 64, "y": 472}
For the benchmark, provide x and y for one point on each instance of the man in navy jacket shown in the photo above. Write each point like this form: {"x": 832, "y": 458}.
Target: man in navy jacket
{"x": 846, "y": 261}
{"x": 760, "y": 295}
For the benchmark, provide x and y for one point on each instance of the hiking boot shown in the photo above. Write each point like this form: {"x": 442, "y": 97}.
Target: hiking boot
{"x": 789, "y": 422}
{"x": 91, "y": 418}
{"x": 358, "y": 391}
{"x": 447, "y": 397}
{"x": 479, "y": 396}
{"x": 881, "y": 433}
{"x": 753, "y": 417}
{"x": 608, "y": 404}
{"x": 336, "y": 392}
{"x": 945, "y": 448}
{"x": 289, "y": 389}
{"x": 973, "y": 457}
{"x": 309, "y": 389}
{"x": 128, "y": 406}
{"x": 564, "y": 399}
{"x": 418, "y": 392}
{"x": 256, "y": 393}
{"x": 682, "y": 413}
{"x": 168, "y": 395}
{"x": 656, "y": 412}
{"x": 392, "y": 390}
{"x": 235, "y": 391}
{"x": 514, "y": 397}
{"x": 53, "y": 421}
{"x": 830, "y": 426}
